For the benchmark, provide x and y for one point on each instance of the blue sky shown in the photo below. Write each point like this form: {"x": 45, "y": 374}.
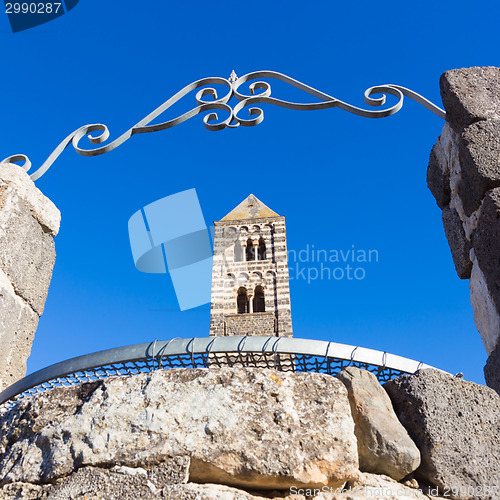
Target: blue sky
{"x": 339, "y": 179}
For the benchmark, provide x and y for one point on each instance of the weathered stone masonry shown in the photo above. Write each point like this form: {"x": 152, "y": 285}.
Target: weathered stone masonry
{"x": 28, "y": 223}
{"x": 250, "y": 258}
{"x": 253, "y": 434}
{"x": 464, "y": 177}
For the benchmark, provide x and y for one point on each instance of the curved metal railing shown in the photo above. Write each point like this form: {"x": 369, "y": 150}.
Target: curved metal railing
{"x": 281, "y": 353}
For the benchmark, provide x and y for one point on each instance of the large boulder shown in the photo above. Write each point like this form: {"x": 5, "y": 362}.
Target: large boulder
{"x": 456, "y": 426}
{"x": 18, "y": 323}
{"x": 40, "y": 207}
{"x": 486, "y": 249}
{"x": 457, "y": 240}
{"x": 492, "y": 369}
{"x": 27, "y": 252}
{"x": 479, "y": 155}
{"x": 28, "y": 223}
{"x": 470, "y": 95}
{"x": 240, "y": 427}
{"x": 384, "y": 446}
{"x": 140, "y": 484}
{"x": 438, "y": 175}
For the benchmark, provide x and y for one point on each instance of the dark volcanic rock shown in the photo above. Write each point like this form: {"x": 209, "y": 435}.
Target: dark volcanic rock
{"x": 456, "y": 426}
{"x": 492, "y": 369}
{"x": 458, "y": 242}
{"x": 438, "y": 179}
{"x": 486, "y": 241}
{"x": 479, "y": 152}
{"x": 470, "y": 95}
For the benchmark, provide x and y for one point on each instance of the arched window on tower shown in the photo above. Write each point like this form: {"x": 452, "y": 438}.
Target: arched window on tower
{"x": 250, "y": 250}
{"x": 259, "y": 305}
{"x": 242, "y": 301}
{"x": 262, "y": 249}
{"x": 238, "y": 252}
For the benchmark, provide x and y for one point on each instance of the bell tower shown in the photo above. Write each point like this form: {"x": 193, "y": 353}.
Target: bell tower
{"x": 250, "y": 290}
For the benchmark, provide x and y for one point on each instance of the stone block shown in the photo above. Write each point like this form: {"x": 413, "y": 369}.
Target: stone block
{"x": 486, "y": 242}
{"x": 192, "y": 491}
{"x": 479, "y": 153}
{"x": 125, "y": 483}
{"x": 41, "y": 208}
{"x": 438, "y": 178}
{"x": 384, "y": 446}
{"x": 24, "y": 491}
{"x": 27, "y": 253}
{"x": 104, "y": 484}
{"x": 376, "y": 486}
{"x": 457, "y": 240}
{"x": 492, "y": 369}
{"x": 247, "y": 428}
{"x": 470, "y": 95}
{"x": 18, "y": 324}
{"x": 486, "y": 315}
{"x": 456, "y": 426}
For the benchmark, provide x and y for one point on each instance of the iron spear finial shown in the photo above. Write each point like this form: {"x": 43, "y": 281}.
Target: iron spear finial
{"x": 233, "y": 76}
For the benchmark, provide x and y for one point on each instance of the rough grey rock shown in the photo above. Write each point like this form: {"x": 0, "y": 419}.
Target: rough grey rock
{"x": 240, "y": 427}
{"x": 41, "y": 208}
{"x": 28, "y": 222}
{"x": 492, "y": 369}
{"x": 165, "y": 480}
{"x": 464, "y": 168}
{"x": 384, "y": 446}
{"x": 486, "y": 314}
{"x": 27, "y": 253}
{"x": 125, "y": 483}
{"x": 456, "y": 426}
{"x": 103, "y": 484}
{"x": 17, "y": 330}
{"x": 192, "y": 491}
{"x": 479, "y": 153}
{"x": 457, "y": 240}
{"x": 438, "y": 177}
{"x": 486, "y": 241}
{"x": 24, "y": 491}
{"x": 381, "y": 486}
{"x": 470, "y": 95}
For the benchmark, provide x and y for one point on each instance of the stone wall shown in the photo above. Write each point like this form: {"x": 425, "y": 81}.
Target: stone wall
{"x": 250, "y": 434}
{"x": 28, "y": 223}
{"x": 464, "y": 177}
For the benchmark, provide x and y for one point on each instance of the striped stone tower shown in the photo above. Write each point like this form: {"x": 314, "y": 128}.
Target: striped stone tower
{"x": 250, "y": 290}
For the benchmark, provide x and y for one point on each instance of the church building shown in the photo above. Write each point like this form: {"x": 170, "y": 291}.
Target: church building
{"x": 250, "y": 289}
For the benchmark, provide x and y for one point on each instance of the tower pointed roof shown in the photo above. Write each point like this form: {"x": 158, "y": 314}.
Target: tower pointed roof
{"x": 250, "y": 208}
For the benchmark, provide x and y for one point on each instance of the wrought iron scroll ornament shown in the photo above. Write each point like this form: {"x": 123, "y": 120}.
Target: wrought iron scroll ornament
{"x": 208, "y": 99}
